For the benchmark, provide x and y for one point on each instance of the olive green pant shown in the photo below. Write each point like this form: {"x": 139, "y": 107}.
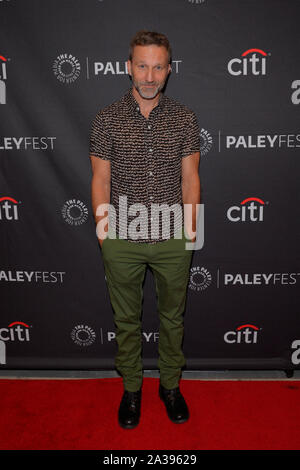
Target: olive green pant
{"x": 125, "y": 264}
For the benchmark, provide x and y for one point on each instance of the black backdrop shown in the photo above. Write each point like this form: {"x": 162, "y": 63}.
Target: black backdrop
{"x": 236, "y": 64}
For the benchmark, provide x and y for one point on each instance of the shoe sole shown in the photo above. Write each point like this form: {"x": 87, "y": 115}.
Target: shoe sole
{"x": 128, "y": 426}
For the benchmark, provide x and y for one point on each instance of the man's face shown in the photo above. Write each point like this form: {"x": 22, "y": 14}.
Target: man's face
{"x": 149, "y": 69}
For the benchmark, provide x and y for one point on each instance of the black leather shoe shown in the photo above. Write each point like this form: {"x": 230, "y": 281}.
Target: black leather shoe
{"x": 130, "y": 409}
{"x": 175, "y": 404}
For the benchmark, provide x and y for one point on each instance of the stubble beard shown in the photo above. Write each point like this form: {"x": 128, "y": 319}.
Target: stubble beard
{"x": 147, "y": 93}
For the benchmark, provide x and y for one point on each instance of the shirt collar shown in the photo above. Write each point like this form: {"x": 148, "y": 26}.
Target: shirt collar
{"x": 133, "y": 104}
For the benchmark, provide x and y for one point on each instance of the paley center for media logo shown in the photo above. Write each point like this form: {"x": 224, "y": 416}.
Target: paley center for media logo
{"x": 66, "y": 68}
{"x": 206, "y": 142}
{"x": 252, "y": 62}
{"x": 16, "y": 331}
{"x": 200, "y": 278}
{"x": 83, "y": 335}
{"x": 74, "y": 212}
{"x": 3, "y": 78}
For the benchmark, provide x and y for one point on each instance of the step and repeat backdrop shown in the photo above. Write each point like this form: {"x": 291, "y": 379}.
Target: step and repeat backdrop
{"x": 236, "y": 65}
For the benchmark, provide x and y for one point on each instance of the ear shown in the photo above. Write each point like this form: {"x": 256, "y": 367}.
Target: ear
{"x": 129, "y": 66}
{"x": 169, "y": 68}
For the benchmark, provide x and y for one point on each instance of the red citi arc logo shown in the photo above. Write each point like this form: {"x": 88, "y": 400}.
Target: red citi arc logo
{"x": 4, "y": 60}
{"x": 250, "y": 209}
{"x": 8, "y": 208}
{"x": 253, "y": 62}
{"x": 243, "y": 334}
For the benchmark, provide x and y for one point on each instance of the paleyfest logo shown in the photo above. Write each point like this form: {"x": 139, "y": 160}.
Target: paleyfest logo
{"x": 67, "y": 68}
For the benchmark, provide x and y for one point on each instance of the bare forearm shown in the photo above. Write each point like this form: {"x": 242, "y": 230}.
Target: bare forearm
{"x": 100, "y": 194}
{"x": 191, "y": 195}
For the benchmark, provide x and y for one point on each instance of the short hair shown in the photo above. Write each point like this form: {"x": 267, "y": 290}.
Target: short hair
{"x": 147, "y": 38}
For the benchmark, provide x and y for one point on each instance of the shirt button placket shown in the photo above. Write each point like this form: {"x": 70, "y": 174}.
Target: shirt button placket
{"x": 150, "y": 171}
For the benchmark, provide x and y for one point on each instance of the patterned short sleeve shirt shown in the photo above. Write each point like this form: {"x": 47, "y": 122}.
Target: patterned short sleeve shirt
{"x": 145, "y": 157}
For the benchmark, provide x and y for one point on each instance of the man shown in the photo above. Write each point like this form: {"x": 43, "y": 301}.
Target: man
{"x": 144, "y": 151}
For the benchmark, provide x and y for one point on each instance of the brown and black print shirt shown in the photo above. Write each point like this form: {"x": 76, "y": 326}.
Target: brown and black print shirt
{"x": 145, "y": 156}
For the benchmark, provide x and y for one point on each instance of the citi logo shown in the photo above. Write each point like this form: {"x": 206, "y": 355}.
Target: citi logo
{"x": 250, "y": 209}
{"x": 242, "y": 334}
{"x": 16, "y": 331}
{"x": 8, "y": 208}
{"x": 3, "y": 77}
{"x": 252, "y": 62}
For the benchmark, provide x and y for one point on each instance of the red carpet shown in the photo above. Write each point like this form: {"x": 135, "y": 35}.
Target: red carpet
{"x": 82, "y": 414}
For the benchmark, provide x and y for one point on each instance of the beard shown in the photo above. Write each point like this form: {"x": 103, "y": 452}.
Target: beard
{"x": 146, "y": 91}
